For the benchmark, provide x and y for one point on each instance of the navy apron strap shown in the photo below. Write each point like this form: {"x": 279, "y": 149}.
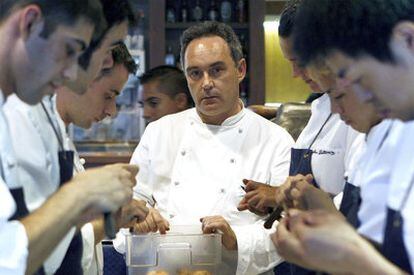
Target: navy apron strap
{"x": 393, "y": 247}
{"x": 351, "y": 201}
{"x": 72, "y": 262}
{"x": 65, "y": 166}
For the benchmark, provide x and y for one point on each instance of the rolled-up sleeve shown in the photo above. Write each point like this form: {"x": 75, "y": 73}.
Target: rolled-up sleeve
{"x": 256, "y": 252}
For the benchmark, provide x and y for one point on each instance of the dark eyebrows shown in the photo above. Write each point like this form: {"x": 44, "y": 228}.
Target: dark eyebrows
{"x": 116, "y": 43}
{"x": 81, "y": 43}
{"x": 218, "y": 63}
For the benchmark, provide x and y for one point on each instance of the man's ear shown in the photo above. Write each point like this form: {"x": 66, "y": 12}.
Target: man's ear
{"x": 402, "y": 38}
{"x": 241, "y": 69}
{"x": 181, "y": 101}
{"x": 30, "y": 17}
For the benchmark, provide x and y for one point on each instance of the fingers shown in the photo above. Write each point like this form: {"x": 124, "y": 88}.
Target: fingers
{"x": 162, "y": 224}
{"x": 219, "y": 224}
{"x": 212, "y": 224}
{"x": 153, "y": 223}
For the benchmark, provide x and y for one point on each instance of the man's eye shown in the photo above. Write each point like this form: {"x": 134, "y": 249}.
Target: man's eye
{"x": 215, "y": 72}
{"x": 153, "y": 103}
{"x": 195, "y": 74}
{"x": 70, "y": 51}
{"x": 338, "y": 97}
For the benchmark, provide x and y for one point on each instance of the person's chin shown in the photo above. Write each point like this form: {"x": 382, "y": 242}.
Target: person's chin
{"x": 30, "y": 98}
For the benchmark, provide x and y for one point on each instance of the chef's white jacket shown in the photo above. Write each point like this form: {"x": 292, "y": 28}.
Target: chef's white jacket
{"x": 13, "y": 238}
{"x": 373, "y": 177}
{"x": 36, "y": 149}
{"x": 334, "y": 150}
{"x": 195, "y": 170}
{"x": 401, "y": 187}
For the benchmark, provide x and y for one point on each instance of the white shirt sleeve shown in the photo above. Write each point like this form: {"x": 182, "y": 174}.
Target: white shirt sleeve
{"x": 260, "y": 259}
{"x": 89, "y": 263}
{"x": 13, "y": 238}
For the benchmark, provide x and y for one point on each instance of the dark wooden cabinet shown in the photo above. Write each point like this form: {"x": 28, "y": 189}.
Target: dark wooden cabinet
{"x": 159, "y": 35}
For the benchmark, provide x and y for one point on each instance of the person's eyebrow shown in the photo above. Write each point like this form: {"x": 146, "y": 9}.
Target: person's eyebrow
{"x": 151, "y": 98}
{"x": 218, "y": 63}
{"x": 116, "y": 43}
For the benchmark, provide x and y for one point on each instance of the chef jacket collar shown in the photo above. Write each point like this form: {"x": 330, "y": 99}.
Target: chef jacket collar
{"x": 231, "y": 121}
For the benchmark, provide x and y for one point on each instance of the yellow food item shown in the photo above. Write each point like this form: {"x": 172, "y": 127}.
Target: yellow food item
{"x": 196, "y": 272}
{"x": 158, "y": 272}
{"x": 201, "y": 272}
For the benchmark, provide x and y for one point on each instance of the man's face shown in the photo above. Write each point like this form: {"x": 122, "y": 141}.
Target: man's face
{"x": 99, "y": 101}
{"x": 157, "y": 103}
{"x": 101, "y": 58}
{"x": 212, "y": 76}
{"x": 389, "y": 87}
{"x": 360, "y": 116}
{"x": 286, "y": 45}
{"x": 43, "y": 64}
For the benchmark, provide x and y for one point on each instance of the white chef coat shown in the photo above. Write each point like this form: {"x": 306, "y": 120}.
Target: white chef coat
{"x": 402, "y": 178}
{"x": 373, "y": 177}
{"x": 13, "y": 238}
{"x": 334, "y": 149}
{"x": 196, "y": 170}
{"x": 36, "y": 147}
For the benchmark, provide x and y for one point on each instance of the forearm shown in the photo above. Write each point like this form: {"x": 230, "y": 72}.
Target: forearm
{"x": 48, "y": 225}
{"x": 367, "y": 260}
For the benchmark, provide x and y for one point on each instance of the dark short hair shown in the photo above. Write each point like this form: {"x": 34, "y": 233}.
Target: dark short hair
{"x": 287, "y": 18}
{"x": 115, "y": 12}
{"x": 57, "y": 13}
{"x": 356, "y": 28}
{"x": 121, "y": 56}
{"x": 171, "y": 81}
{"x": 209, "y": 29}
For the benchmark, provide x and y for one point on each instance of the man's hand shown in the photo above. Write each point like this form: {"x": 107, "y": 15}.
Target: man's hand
{"x": 305, "y": 196}
{"x": 259, "y": 197}
{"x": 153, "y": 222}
{"x": 321, "y": 240}
{"x": 103, "y": 189}
{"x": 215, "y": 224}
{"x": 134, "y": 212}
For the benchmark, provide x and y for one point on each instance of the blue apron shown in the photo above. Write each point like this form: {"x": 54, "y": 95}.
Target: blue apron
{"x": 393, "y": 247}
{"x": 72, "y": 262}
{"x": 300, "y": 163}
{"x": 351, "y": 200}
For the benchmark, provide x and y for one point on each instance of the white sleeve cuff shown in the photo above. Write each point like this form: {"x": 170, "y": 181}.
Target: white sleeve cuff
{"x": 88, "y": 241}
{"x": 14, "y": 245}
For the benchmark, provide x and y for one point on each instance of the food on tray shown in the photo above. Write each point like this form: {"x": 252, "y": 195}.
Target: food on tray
{"x": 195, "y": 272}
{"x": 158, "y": 272}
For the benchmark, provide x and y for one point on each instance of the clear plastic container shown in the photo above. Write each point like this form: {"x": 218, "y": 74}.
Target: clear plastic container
{"x": 177, "y": 252}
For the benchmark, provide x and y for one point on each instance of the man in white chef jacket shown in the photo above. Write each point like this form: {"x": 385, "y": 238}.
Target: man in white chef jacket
{"x": 36, "y": 58}
{"x": 193, "y": 162}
